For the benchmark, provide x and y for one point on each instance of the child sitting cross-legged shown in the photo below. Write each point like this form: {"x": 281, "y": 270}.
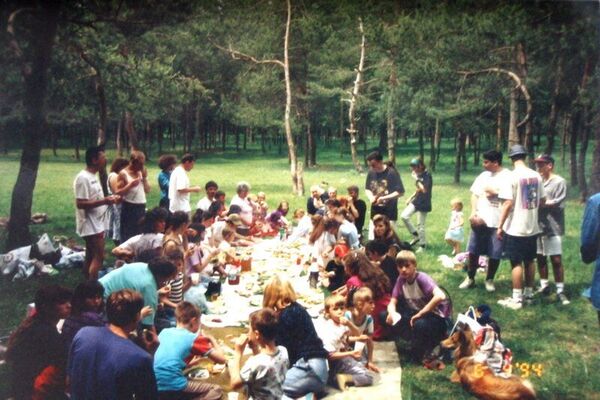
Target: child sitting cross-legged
{"x": 345, "y": 367}
{"x": 177, "y": 347}
{"x": 264, "y": 372}
{"x": 361, "y": 307}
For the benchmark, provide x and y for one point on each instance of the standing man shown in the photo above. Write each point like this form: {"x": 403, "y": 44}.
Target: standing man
{"x": 179, "y": 185}
{"x": 357, "y": 207}
{"x": 552, "y": 223}
{"x": 419, "y": 203}
{"x": 383, "y": 188}
{"x": 590, "y": 246}
{"x": 91, "y": 214}
{"x": 518, "y": 227}
{"x": 484, "y": 219}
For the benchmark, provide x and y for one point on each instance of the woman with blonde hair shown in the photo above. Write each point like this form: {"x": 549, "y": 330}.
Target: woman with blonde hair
{"x": 296, "y": 332}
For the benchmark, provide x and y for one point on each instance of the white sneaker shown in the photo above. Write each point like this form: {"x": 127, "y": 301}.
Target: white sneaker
{"x": 468, "y": 283}
{"x": 564, "y": 300}
{"x": 511, "y": 303}
{"x": 489, "y": 285}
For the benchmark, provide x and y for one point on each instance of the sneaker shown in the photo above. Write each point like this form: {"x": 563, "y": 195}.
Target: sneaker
{"x": 511, "y": 303}
{"x": 420, "y": 249}
{"x": 528, "y": 300}
{"x": 468, "y": 283}
{"x": 544, "y": 291}
{"x": 564, "y": 300}
{"x": 489, "y": 285}
{"x": 414, "y": 241}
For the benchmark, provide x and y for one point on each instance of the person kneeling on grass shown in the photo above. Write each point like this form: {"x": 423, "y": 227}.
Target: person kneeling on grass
{"x": 264, "y": 372}
{"x": 178, "y": 345}
{"x": 420, "y": 305}
{"x": 345, "y": 367}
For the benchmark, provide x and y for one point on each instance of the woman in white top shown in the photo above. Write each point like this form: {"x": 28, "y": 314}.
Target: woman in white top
{"x": 114, "y": 228}
{"x": 134, "y": 185}
{"x": 241, "y": 199}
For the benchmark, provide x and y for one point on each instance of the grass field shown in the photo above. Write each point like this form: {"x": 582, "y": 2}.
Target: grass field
{"x": 563, "y": 339}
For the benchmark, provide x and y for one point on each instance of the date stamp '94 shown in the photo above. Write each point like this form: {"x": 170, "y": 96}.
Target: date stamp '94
{"x": 524, "y": 369}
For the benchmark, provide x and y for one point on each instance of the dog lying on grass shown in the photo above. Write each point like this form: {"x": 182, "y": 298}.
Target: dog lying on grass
{"x": 477, "y": 377}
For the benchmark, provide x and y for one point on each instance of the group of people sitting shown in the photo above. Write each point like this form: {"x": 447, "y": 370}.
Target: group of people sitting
{"x": 108, "y": 345}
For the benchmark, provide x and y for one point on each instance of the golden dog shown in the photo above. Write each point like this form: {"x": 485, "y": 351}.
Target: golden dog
{"x": 476, "y": 377}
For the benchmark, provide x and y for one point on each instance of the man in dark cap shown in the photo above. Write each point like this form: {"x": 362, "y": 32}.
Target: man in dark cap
{"x": 552, "y": 223}
{"x": 521, "y": 197}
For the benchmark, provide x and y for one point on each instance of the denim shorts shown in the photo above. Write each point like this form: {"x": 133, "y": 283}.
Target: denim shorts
{"x": 485, "y": 242}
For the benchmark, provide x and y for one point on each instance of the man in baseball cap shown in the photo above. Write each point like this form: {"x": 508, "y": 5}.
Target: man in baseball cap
{"x": 522, "y": 196}
{"x": 552, "y": 223}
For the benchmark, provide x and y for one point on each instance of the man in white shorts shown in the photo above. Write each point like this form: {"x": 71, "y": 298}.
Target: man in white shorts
{"x": 552, "y": 223}
{"x": 90, "y": 215}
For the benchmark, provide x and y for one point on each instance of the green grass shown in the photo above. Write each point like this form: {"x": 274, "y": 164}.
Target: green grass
{"x": 564, "y": 339}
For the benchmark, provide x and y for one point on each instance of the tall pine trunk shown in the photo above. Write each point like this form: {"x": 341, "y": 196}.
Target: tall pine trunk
{"x": 35, "y": 76}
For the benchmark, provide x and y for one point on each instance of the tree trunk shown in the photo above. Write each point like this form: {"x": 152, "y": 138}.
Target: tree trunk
{"x": 421, "y": 144}
{"x": 554, "y": 108}
{"x": 575, "y": 126}
{"x": 435, "y": 143}
{"x": 459, "y": 154}
{"x": 513, "y": 134}
{"x": 297, "y": 179}
{"x": 564, "y": 138}
{"x": 352, "y": 130}
{"x": 499, "y": 121}
{"x": 391, "y": 121}
{"x": 594, "y": 186}
{"x": 35, "y": 74}
{"x": 130, "y": 130}
{"x": 584, "y": 135}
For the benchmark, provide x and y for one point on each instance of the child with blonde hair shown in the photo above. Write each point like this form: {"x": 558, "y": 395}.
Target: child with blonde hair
{"x": 360, "y": 309}
{"x": 334, "y": 330}
{"x": 455, "y": 234}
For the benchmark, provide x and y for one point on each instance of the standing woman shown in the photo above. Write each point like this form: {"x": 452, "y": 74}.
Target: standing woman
{"x": 135, "y": 179}
{"x": 296, "y": 332}
{"x": 167, "y": 164}
{"x": 114, "y": 228}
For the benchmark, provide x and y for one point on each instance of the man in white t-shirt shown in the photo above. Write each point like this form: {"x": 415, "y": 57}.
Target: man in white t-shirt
{"x": 518, "y": 226}
{"x": 91, "y": 206}
{"x": 204, "y": 203}
{"x": 179, "y": 185}
{"x": 484, "y": 218}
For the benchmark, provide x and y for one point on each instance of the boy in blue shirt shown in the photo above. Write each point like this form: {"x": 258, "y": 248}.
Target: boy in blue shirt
{"x": 177, "y": 347}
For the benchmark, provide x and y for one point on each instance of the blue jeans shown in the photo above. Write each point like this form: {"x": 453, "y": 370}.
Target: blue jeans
{"x": 305, "y": 376}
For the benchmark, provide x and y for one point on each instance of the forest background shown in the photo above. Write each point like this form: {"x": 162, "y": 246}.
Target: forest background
{"x": 298, "y": 76}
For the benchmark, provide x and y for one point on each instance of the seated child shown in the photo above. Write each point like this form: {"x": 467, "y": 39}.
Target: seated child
{"x": 264, "y": 372}
{"x": 177, "y": 347}
{"x": 303, "y": 225}
{"x": 361, "y": 307}
{"x": 261, "y": 206}
{"x": 379, "y": 254}
{"x": 344, "y": 366}
{"x": 171, "y": 294}
{"x": 333, "y": 276}
{"x": 87, "y": 306}
{"x": 422, "y": 307}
